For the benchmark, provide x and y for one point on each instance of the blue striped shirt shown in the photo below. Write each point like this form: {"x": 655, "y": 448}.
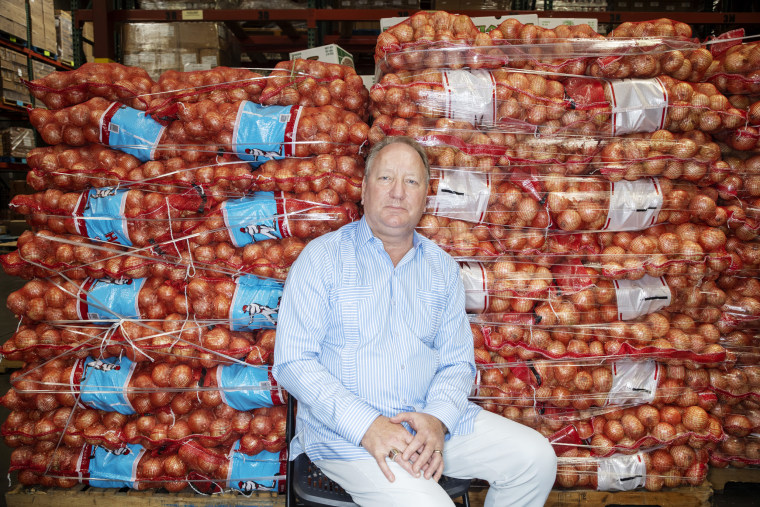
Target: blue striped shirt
{"x": 358, "y": 338}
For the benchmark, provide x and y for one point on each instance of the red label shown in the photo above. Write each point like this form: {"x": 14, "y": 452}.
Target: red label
{"x": 585, "y": 92}
{"x": 572, "y": 276}
{"x": 731, "y": 38}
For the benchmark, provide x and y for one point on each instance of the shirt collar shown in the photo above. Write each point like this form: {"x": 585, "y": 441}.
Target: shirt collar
{"x": 364, "y": 235}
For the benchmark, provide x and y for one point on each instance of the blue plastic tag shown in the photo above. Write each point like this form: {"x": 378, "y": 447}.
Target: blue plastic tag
{"x": 104, "y": 382}
{"x": 246, "y": 387}
{"x": 255, "y": 303}
{"x": 253, "y": 473}
{"x": 109, "y": 299}
{"x": 115, "y": 469}
{"x": 252, "y": 219}
{"x": 104, "y": 215}
{"x": 261, "y": 132}
{"x": 130, "y": 131}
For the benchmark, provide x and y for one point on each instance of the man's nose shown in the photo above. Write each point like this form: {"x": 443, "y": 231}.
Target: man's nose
{"x": 397, "y": 189}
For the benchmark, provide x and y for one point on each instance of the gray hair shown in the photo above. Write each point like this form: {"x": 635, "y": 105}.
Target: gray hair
{"x": 397, "y": 139}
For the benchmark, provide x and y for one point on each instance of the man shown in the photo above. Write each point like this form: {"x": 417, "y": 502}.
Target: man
{"x": 374, "y": 343}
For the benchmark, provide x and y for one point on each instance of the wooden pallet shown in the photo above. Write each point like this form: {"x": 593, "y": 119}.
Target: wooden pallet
{"x": 719, "y": 477}
{"x": 6, "y": 365}
{"x": 678, "y": 497}
{"x": 81, "y": 496}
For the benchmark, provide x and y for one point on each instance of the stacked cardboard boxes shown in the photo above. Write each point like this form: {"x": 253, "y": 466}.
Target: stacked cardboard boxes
{"x": 64, "y": 32}
{"x": 42, "y": 19}
{"x": 13, "y": 68}
{"x": 17, "y": 142}
{"x": 13, "y": 19}
{"x": 158, "y": 47}
{"x": 41, "y": 69}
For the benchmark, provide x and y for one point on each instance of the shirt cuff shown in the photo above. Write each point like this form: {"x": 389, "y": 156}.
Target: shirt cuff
{"x": 445, "y": 413}
{"x": 356, "y": 420}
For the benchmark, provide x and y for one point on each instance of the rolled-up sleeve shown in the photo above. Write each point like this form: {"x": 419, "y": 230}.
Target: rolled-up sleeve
{"x": 301, "y": 329}
{"x": 447, "y": 397}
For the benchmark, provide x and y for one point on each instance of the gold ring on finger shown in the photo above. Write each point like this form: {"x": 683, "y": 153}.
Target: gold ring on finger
{"x": 393, "y": 453}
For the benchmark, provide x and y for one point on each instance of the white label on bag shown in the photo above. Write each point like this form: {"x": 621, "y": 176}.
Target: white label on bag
{"x": 463, "y": 195}
{"x": 475, "y": 282}
{"x": 634, "y": 205}
{"x": 641, "y": 297}
{"x": 470, "y": 96}
{"x": 633, "y": 382}
{"x": 621, "y": 473}
{"x": 638, "y": 105}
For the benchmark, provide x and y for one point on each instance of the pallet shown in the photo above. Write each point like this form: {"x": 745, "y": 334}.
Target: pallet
{"x": 15, "y": 39}
{"x": 719, "y": 477}
{"x": 698, "y": 496}
{"x": 16, "y": 103}
{"x": 81, "y": 495}
{"x": 45, "y": 52}
{"x": 6, "y": 365}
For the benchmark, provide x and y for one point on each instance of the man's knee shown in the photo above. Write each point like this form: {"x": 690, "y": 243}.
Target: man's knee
{"x": 544, "y": 462}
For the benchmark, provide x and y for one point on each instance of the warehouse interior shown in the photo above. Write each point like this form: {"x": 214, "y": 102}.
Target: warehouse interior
{"x": 594, "y": 172}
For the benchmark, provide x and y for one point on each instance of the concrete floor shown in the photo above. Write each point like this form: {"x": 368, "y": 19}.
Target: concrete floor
{"x": 734, "y": 495}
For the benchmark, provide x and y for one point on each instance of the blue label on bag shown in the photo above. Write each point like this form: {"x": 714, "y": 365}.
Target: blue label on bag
{"x": 103, "y": 215}
{"x": 130, "y": 131}
{"x": 255, "y": 303}
{"x": 115, "y": 469}
{"x": 109, "y": 299}
{"x": 104, "y": 382}
{"x": 245, "y": 387}
{"x": 261, "y": 132}
{"x": 253, "y": 473}
{"x": 252, "y": 219}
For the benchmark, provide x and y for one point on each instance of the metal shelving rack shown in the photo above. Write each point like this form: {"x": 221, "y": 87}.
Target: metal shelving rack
{"x": 318, "y": 20}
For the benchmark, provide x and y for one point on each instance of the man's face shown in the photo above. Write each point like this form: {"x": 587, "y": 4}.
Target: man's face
{"x": 395, "y": 191}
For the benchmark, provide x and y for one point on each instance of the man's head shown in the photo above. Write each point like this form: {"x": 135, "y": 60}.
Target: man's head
{"x": 394, "y": 190}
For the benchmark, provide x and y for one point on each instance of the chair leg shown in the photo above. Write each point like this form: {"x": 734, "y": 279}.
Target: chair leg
{"x": 290, "y": 497}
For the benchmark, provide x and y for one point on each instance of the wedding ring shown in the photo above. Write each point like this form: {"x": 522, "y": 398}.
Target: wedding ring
{"x": 393, "y": 453}
{"x": 438, "y": 451}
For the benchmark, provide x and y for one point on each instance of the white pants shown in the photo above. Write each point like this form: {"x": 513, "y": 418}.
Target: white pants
{"x": 517, "y": 461}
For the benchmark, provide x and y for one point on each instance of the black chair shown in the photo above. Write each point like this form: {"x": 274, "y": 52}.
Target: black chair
{"x": 308, "y": 486}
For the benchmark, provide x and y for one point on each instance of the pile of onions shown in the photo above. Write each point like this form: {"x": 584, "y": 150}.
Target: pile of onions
{"x": 672, "y": 466}
{"x": 221, "y": 176}
{"x": 737, "y": 452}
{"x": 292, "y": 82}
{"x": 75, "y": 125}
{"x": 737, "y": 71}
{"x": 111, "y": 81}
{"x": 148, "y": 215}
{"x": 439, "y": 39}
{"x": 172, "y": 469}
{"x": 673, "y": 337}
{"x": 208, "y": 126}
{"x": 152, "y": 387}
{"x": 171, "y": 339}
{"x": 677, "y": 250}
{"x": 741, "y": 381}
{"x": 525, "y": 102}
{"x": 691, "y": 156}
{"x": 45, "y": 254}
{"x": 54, "y": 299}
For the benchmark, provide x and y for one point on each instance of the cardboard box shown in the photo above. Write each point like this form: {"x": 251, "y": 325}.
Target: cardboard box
{"x": 13, "y": 68}
{"x": 13, "y": 19}
{"x": 64, "y": 31}
{"x": 42, "y": 19}
{"x": 88, "y": 37}
{"x": 158, "y": 47}
{"x": 331, "y": 53}
{"x": 17, "y": 141}
{"x": 41, "y": 69}
{"x": 554, "y": 22}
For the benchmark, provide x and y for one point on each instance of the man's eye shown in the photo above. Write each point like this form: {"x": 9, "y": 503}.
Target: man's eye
{"x": 411, "y": 181}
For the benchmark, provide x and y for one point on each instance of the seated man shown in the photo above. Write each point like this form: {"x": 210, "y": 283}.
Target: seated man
{"x": 374, "y": 343}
